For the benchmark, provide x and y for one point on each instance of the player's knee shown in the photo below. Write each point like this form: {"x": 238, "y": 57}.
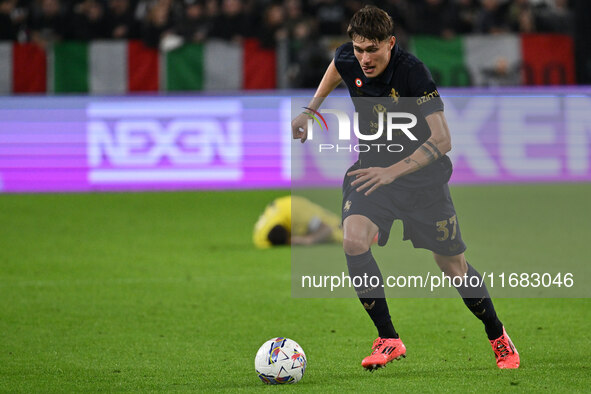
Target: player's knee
{"x": 354, "y": 246}
{"x": 358, "y": 233}
{"x": 452, "y": 266}
{"x": 452, "y": 272}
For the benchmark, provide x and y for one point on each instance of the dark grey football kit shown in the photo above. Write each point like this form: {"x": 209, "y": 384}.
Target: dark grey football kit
{"x": 420, "y": 199}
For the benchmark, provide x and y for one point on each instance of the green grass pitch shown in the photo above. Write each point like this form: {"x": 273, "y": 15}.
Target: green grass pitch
{"x": 165, "y": 292}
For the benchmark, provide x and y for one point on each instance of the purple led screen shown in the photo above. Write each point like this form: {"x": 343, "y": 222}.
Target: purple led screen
{"x": 51, "y": 144}
{"x": 142, "y": 143}
{"x": 509, "y": 139}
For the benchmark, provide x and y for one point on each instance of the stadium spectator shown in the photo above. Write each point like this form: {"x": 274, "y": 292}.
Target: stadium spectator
{"x": 272, "y": 28}
{"x": 330, "y": 15}
{"x": 491, "y": 19}
{"x": 47, "y": 22}
{"x": 212, "y": 9}
{"x": 231, "y": 23}
{"x": 293, "y": 15}
{"x": 8, "y": 26}
{"x": 400, "y": 12}
{"x": 521, "y": 16}
{"x": 293, "y": 9}
{"x": 502, "y": 74}
{"x": 308, "y": 58}
{"x": 464, "y": 16}
{"x": 141, "y": 9}
{"x": 160, "y": 21}
{"x": 556, "y": 18}
{"x": 351, "y": 7}
{"x": 120, "y": 20}
{"x": 86, "y": 22}
{"x": 434, "y": 18}
{"x": 194, "y": 25}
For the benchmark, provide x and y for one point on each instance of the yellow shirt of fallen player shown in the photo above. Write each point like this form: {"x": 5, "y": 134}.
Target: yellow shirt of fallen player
{"x": 298, "y": 221}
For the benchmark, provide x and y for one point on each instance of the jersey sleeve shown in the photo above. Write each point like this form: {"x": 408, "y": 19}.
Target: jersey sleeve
{"x": 337, "y": 60}
{"x": 422, "y": 86}
{"x": 344, "y": 60}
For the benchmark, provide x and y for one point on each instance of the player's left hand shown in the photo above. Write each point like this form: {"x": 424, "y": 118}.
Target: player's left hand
{"x": 372, "y": 176}
{"x": 299, "y": 127}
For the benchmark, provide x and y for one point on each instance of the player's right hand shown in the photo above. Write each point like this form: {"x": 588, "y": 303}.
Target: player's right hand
{"x": 299, "y": 127}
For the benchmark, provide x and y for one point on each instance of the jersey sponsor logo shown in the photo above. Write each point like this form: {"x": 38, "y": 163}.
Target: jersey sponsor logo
{"x": 427, "y": 97}
{"x": 162, "y": 141}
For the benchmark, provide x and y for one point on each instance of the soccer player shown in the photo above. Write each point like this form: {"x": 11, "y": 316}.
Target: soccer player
{"x": 312, "y": 224}
{"x": 410, "y": 186}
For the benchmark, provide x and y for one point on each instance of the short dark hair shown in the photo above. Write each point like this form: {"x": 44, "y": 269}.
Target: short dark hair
{"x": 278, "y": 235}
{"x": 371, "y": 23}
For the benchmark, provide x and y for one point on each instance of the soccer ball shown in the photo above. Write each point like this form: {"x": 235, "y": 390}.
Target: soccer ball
{"x": 280, "y": 361}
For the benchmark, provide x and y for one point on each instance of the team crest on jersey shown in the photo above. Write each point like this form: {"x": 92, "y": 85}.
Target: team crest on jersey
{"x": 358, "y": 82}
{"x": 347, "y": 206}
{"x": 395, "y": 95}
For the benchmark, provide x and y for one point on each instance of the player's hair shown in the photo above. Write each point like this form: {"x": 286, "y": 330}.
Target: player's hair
{"x": 371, "y": 23}
{"x": 278, "y": 236}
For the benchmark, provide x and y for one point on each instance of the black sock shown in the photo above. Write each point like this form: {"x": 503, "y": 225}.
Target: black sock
{"x": 373, "y": 299}
{"x": 478, "y": 301}
{"x": 386, "y": 330}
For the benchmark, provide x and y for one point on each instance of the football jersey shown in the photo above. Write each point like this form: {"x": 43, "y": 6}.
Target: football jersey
{"x": 307, "y": 218}
{"x": 405, "y": 85}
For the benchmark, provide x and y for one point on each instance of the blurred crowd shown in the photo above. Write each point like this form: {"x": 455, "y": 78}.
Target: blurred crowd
{"x": 198, "y": 20}
{"x": 303, "y": 24}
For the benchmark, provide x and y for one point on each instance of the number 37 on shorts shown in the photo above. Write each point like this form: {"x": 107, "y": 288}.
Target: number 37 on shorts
{"x": 447, "y": 229}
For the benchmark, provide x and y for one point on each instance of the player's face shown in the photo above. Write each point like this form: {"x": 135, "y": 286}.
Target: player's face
{"x": 373, "y": 56}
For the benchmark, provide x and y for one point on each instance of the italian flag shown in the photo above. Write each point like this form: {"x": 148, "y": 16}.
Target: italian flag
{"x": 119, "y": 67}
{"x": 489, "y": 60}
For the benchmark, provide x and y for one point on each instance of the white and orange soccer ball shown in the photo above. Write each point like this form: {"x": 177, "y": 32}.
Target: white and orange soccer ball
{"x": 280, "y": 361}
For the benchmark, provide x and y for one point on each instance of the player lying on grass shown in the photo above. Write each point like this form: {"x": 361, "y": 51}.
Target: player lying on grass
{"x": 312, "y": 224}
{"x": 410, "y": 186}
